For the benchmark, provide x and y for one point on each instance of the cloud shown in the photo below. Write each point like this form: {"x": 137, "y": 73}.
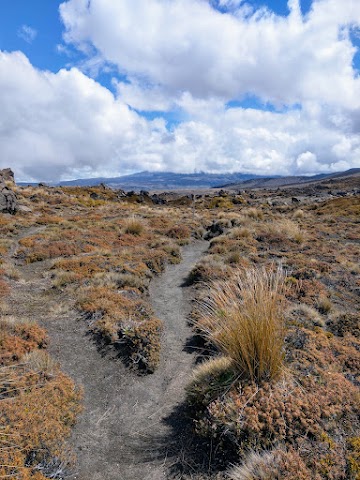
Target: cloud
{"x": 191, "y": 46}
{"x": 145, "y": 97}
{"x": 27, "y": 33}
{"x": 66, "y": 125}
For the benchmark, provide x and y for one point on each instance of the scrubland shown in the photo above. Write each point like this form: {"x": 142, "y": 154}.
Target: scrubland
{"x": 276, "y": 314}
{"x": 278, "y": 311}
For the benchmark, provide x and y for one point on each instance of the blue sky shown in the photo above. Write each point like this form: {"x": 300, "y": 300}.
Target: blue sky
{"x": 43, "y": 17}
{"x": 227, "y": 85}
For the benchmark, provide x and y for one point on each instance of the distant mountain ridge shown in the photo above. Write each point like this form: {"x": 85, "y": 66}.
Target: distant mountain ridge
{"x": 160, "y": 180}
{"x": 277, "y": 182}
{"x": 176, "y": 181}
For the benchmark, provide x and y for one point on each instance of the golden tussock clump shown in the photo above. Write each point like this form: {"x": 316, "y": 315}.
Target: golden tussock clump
{"x": 244, "y": 319}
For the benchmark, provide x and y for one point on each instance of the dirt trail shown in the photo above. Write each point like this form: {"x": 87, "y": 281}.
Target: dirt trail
{"x": 123, "y": 433}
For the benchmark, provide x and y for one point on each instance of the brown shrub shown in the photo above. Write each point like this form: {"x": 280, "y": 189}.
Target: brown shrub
{"x": 124, "y": 319}
{"x": 353, "y": 458}
{"x": 344, "y": 323}
{"x": 36, "y": 415}
{"x": 144, "y": 341}
{"x": 307, "y": 291}
{"x": 18, "y": 339}
{"x": 4, "y": 289}
{"x": 156, "y": 261}
{"x": 207, "y": 270}
{"x": 179, "y": 232}
{"x": 250, "y": 417}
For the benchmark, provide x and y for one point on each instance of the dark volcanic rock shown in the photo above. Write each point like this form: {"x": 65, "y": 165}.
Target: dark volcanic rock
{"x": 157, "y": 200}
{"x": 8, "y": 200}
{"x": 120, "y": 193}
{"x": 214, "y": 230}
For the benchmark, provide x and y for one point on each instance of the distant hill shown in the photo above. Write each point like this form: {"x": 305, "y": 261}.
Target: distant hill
{"x": 161, "y": 180}
{"x": 278, "y": 182}
{"x": 180, "y": 181}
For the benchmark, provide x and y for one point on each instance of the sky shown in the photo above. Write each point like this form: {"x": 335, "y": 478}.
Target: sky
{"x": 110, "y": 87}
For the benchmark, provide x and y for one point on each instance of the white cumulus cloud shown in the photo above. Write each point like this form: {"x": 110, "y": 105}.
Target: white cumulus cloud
{"x": 188, "y": 61}
{"x": 67, "y": 125}
{"x": 188, "y": 45}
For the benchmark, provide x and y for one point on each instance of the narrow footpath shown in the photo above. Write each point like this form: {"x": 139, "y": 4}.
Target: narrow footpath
{"x": 124, "y": 432}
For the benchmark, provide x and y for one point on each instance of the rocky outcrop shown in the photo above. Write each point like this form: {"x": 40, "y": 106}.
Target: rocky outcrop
{"x": 8, "y": 200}
{"x": 7, "y": 175}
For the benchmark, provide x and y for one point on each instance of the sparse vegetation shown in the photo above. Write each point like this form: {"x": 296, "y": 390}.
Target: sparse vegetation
{"x": 277, "y": 389}
{"x": 38, "y": 405}
{"x": 297, "y": 424}
{"x": 134, "y": 227}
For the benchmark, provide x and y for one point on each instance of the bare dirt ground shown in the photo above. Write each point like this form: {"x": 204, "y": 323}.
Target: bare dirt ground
{"x": 132, "y": 427}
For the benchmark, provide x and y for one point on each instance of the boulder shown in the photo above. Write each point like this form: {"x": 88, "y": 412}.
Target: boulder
{"x": 24, "y": 209}
{"x": 7, "y": 175}
{"x": 120, "y": 193}
{"x": 8, "y": 200}
{"x": 214, "y": 230}
{"x": 157, "y": 200}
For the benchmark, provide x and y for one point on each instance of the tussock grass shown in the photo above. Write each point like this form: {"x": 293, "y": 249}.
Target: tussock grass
{"x": 304, "y": 315}
{"x": 210, "y": 379}
{"x": 11, "y": 272}
{"x": 280, "y": 463}
{"x": 134, "y": 227}
{"x": 244, "y": 318}
{"x": 257, "y": 467}
{"x": 324, "y": 305}
{"x": 254, "y": 213}
{"x": 284, "y": 229}
{"x": 240, "y": 232}
{"x": 299, "y": 214}
{"x": 40, "y": 361}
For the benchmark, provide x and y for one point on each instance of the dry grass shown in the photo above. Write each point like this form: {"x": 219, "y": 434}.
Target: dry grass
{"x": 257, "y": 467}
{"x": 324, "y": 305}
{"x": 254, "y": 213}
{"x": 299, "y": 214}
{"x": 281, "y": 230}
{"x": 210, "y": 379}
{"x": 271, "y": 465}
{"x": 244, "y": 319}
{"x": 240, "y": 232}
{"x": 304, "y": 315}
{"x": 134, "y": 227}
{"x": 40, "y": 361}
